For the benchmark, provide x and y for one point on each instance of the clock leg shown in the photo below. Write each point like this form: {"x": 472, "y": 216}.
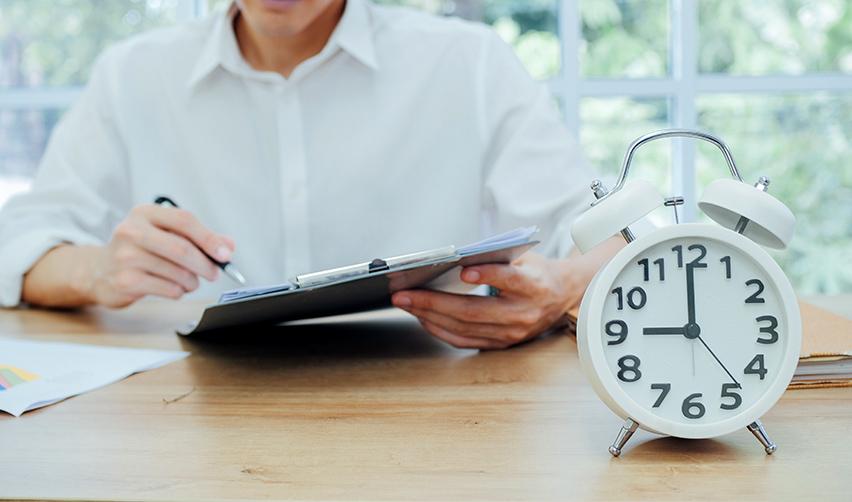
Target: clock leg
{"x": 759, "y": 432}
{"x": 623, "y": 437}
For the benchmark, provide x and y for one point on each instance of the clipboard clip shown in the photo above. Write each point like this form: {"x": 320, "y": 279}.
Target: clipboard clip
{"x": 377, "y": 265}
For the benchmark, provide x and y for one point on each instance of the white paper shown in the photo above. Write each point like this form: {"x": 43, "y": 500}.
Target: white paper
{"x": 37, "y": 374}
{"x": 241, "y": 294}
{"x": 506, "y": 239}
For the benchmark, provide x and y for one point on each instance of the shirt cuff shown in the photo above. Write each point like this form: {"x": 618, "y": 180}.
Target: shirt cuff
{"x": 20, "y": 254}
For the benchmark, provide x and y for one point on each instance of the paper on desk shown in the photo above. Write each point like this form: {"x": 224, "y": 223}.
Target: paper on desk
{"x": 37, "y": 374}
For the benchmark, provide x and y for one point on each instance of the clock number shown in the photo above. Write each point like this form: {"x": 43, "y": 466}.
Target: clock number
{"x": 631, "y": 298}
{"x": 633, "y": 368}
{"x": 755, "y": 367}
{"x": 689, "y": 405}
{"x": 769, "y": 330}
{"x": 697, "y": 263}
{"x": 646, "y": 268}
{"x": 661, "y": 265}
{"x": 621, "y": 333}
{"x": 727, "y": 261}
{"x": 679, "y": 250}
{"x": 665, "y": 388}
{"x": 755, "y": 298}
{"x": 728, "y": 391}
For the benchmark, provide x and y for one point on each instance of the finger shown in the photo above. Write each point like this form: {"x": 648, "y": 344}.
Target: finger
{"x": 510, "y": 278}
{"x": 468, "y": 308}
{"x": 165, "y": 269}
{"x": 178, "y": 250}
{"x": 138, "y": 284}
{"x": 184, "y": 223}
{"x": 458, "y": 341}
{"x": 500, "y": 333}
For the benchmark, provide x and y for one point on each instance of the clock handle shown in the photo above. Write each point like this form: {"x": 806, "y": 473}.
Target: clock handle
{"x": 669, "y": 133}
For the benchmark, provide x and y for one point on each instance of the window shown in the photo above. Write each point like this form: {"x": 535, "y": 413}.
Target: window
{"x": 47, "y": 48}
{"x": 773, "y": 78}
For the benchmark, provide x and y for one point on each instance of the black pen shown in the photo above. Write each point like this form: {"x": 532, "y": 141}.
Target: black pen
{"x": 227, "y": 267}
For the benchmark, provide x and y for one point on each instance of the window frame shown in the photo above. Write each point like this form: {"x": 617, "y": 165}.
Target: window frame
{"x": 681, "y": 88}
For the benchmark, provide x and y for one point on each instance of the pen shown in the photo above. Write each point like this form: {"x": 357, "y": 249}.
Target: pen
{"x": 227, "y": 267}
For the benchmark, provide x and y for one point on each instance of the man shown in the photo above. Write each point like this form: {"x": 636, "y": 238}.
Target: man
{"x": 313, "y": 133}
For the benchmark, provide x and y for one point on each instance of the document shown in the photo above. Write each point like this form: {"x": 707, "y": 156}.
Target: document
{"x": 826, "y": 358}
{"x": 37, "y": 374}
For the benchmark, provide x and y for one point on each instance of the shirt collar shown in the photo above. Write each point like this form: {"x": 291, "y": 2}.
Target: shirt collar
{"x": 353, "y": 34}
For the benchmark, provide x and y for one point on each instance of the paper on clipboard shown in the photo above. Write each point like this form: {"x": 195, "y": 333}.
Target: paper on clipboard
{"x": 519, "y": 235}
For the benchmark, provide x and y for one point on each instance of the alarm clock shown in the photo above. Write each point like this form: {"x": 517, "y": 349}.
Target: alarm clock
{"x": 691, "y": 330}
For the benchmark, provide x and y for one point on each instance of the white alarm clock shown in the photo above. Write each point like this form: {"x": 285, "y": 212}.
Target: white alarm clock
{"x": 691, "y": 330}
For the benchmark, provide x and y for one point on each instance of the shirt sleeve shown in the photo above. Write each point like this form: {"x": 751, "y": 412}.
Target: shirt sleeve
{"x": 533, "y": 171}
{"x": 79, "y": 192}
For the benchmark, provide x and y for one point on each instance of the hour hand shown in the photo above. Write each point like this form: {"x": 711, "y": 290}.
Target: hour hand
{"x": 664, "y": 331}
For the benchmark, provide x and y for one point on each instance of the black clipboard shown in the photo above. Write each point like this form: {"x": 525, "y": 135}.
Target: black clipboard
{"x": 330, "y": 293}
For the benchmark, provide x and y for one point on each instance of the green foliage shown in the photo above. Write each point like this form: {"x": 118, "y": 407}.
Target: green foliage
{"x": 624, "y": 38}
{"x": 759, "y": 37}
{"x": 530, "y": 26}
{"x": 54, "y": 42}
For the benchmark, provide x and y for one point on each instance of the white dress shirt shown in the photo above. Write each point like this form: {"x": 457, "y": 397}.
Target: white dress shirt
{"x": 406, "y": 132}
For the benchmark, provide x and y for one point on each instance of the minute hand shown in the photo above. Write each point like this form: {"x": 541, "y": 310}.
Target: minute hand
{"x": 690, "y": 293}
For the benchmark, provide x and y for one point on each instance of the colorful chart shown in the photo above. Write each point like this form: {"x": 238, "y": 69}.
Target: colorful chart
{"x": 11, "y": 376}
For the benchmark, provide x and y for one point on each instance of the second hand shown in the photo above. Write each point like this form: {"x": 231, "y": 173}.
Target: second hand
{"x": 720, "y": 362}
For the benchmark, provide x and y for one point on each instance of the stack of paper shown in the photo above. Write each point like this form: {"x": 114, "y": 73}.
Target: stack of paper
{"x": 826, "y": 359}
{"x": 36, "y": 374}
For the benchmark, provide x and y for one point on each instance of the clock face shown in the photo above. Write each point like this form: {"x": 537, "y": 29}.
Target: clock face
{"x": 694, "y": 330}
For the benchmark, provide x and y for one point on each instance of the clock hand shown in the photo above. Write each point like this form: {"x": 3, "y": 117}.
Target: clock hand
{"x": 718, "y": 361}
{"x": 690, "y": 293}
{"x": 664, "y": 331}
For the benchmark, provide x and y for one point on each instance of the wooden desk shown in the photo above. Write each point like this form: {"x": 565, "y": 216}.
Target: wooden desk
{"x": 378, "y": 410}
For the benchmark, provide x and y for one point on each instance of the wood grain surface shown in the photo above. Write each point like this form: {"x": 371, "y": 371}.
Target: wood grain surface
{"x": 372, "y": 408}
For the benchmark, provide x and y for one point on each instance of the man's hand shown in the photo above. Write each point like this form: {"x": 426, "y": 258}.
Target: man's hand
{"x": 154, "y": 251}
{"x": 535, "y": 293}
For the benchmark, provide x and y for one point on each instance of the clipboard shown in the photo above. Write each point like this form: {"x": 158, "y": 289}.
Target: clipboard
{"x": 353, "y": 288}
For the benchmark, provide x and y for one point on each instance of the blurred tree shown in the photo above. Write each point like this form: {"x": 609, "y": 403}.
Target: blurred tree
{"x": 54, "y": 42}
{"x": 530, "y": 26}
{"x": 624, "y": 38}
{"x": 759, "y": 37}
